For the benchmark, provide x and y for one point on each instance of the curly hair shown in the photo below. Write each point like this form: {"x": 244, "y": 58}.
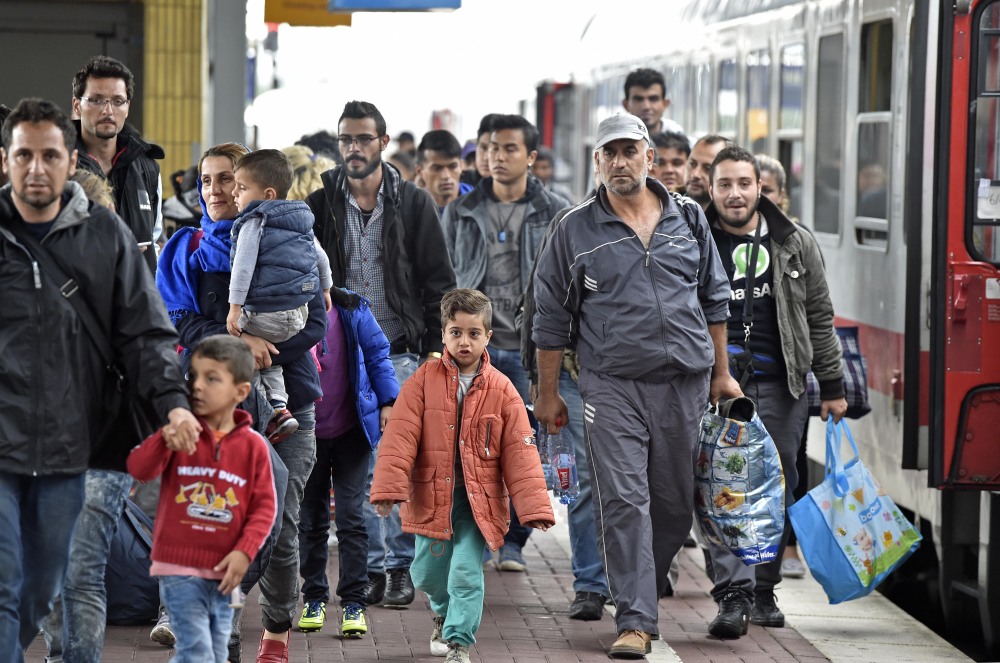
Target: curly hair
{"x": 307, "y": 169}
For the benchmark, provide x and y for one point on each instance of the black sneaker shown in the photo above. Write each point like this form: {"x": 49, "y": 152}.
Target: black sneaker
{"x": 233, "y": 647}
{"x": 733, "y": 618}
{"x": 375, "y": 589}
{"x": 399, "y": 593}
{"x": 587, "y": 606}
{"x": 765, "y": 611}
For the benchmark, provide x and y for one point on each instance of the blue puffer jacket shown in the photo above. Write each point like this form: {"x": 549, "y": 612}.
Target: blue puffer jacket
{"x": 286, "y": 275}
{"x": 372, "y": 377}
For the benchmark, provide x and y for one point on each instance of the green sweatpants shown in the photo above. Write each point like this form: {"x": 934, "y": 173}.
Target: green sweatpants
{"x": 451, "y": 573}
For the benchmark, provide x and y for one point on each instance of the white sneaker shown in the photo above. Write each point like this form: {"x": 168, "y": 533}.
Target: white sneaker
{"x": 161, "y": 633}
{"x": 792, "y": 568}
{"x": 439, "y": 646}
{"x": 457, "y": 653}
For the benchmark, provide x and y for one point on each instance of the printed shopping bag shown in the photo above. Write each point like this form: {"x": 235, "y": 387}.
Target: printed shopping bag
{"x": 739, "y": 487}
{"x": 850, "y": 531}
{"x": 855, "y": 377}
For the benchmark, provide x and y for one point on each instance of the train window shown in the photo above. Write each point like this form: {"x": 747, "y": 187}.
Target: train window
{"x": 986, "y": 174}
{"x": 728, "y": 100}
{"x": 758, "y": 100}
{"x": 829, "y": 134}
{"x": 875, "y": 78}
{"x": 873, "y": 168}
{"x": 793, "y": 62}
{"x": 677, "y": 91}
{"x": 703, "y": 99}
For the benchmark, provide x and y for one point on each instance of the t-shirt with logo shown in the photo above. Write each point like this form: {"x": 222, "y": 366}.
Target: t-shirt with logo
{"x": 765, "y": 337}
{"x": 503, "y": 269}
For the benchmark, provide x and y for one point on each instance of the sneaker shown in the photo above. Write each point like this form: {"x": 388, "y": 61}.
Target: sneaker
{"x": 487, "y": 558}
{"x": 631, "y": 644}
{"x": 161, "y": 633}
{"x": 375, "y": 589}
{"x": 457, "y": 653}
{"x": 313, "y": 616}
{"x": 587, "y": 606}
{"x": 511, "y": 559}
{"x": 282, "y": 425}
{"x": 733, "y": 618}
{"x": 792, "y": 567}
{"x": 353, "y": 624}
{"x": 233, "y": 647}
{"x": 399, "y": 592}
{"x": 439, "y": 646}
{"x": 765, "y": 611}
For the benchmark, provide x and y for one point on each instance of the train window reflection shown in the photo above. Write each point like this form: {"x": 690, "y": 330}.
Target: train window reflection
{"x": 829, "y": 134}
{"x": 758, "y": 100}
{"x": 873, "y": 170}
{"x": 989, "y": 47}
{"x": 876, "y": 67}
{"x": 727, "y": 98}
{"x": 793, "y": 62}
{"x": 703, "y": 98}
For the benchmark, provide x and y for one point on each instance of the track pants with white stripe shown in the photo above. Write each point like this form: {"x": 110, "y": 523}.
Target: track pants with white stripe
{"x": 642, "y": 438}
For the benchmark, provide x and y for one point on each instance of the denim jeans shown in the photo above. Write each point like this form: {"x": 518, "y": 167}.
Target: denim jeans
{"x": 74, "y": 629}
{"x": 508, "y": 362}
{"x": 37, "y": 518}
{"x": 343, "y": 463}
{"x": 279, "y": 585}
{"x": 200, "y": 617}
{"x": 389, "y": 547}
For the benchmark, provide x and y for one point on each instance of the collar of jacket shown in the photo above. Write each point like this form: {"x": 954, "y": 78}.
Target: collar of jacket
{"x": 606, "y": 215}
{"x": 534, "y": 195}
{"x": 451, "y": 367}
{"x": 779, "y": 226}
{"x": 393, "y": 191}
{"x": 73, "y": 211}
{"x": 128, "y": 139}
{"x": 344, "y": 298}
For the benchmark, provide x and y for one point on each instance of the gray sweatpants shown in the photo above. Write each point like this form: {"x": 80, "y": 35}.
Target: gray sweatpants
{"x": 642, "y": 438}
{"x": 784, "y": 417}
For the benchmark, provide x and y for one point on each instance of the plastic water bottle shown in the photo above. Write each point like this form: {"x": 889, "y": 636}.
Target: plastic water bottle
{"x": 562, "y": 456}
{"x": 542, "y": 440}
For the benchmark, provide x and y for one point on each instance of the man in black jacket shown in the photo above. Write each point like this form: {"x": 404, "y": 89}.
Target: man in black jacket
{"x": 385, "y": 242}
{"x": 53, "y": 382}
{"x": 107, "y": 146}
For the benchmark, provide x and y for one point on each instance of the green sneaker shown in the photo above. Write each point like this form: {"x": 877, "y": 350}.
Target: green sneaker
{"x": 353, "y": 624}
{"x": 313, "y": 616}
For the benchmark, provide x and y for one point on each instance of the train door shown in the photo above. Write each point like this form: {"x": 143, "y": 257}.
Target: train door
{"x": 965, "y": 336}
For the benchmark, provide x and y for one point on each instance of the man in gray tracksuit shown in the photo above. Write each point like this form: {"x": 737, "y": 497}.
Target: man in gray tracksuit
{"x": 633, "y": 279}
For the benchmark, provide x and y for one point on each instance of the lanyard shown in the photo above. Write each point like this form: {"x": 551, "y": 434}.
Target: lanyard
{"x": 747, "y": 319}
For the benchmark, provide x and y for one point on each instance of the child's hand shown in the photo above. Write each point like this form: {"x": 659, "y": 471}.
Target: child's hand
{"x": 327, "y": 301}
{"x": 538, "y": 524}
{"x": 233, "y": 319}
{"x": 235, "y": 565}
{"x": 383, "y": 507}
{"x": 383, "y": 417}
{"x": 181, "y": 431}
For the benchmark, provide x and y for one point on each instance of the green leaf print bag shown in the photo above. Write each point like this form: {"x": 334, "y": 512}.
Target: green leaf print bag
{"x": 851, "y": 532}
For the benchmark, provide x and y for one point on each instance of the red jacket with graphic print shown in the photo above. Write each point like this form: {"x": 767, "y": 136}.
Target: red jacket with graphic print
{"x": 219, "y": 499}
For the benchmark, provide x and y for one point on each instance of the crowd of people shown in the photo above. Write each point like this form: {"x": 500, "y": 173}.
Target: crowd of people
{"x": 329, "y": 317}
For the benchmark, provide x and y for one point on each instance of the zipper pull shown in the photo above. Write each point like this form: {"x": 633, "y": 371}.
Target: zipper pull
{"x": 218, "y": 449}
{"x": 38, "y": 276}
{"x": 647, "y": 257}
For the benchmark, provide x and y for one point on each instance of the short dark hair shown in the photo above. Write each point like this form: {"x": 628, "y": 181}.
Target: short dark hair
{"x": 466, "y": 300}
{"x": 405, "y": 135}
{"x": 712, "y": 139}
{"x": 486, "y": 124}
{"x": 672, "y": 140}
{"x": 528, "y": 130}
{"x": 733, "y": 153}
{"x": 362, "y": 110}
{"x": 268, "y": 168}
{"x": 230, "y": 351}
{"x": 441, "y": 141}
{"x": 33, "y": 111}
{"x": 645, "y": 77}
{"x": 322, "y": 143}
{"x": 545, "y": 155}
{"x": 103, "y": 66}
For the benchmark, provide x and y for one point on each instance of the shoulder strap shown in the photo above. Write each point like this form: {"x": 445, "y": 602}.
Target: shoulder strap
{"x": 69, "y": 289}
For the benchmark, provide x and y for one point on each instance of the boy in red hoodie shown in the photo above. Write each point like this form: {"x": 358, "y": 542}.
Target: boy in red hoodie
{"x": 217, "y": 502}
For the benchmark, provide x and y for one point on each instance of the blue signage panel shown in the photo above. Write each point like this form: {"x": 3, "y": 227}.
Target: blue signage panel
{"x": 392, "y": 5}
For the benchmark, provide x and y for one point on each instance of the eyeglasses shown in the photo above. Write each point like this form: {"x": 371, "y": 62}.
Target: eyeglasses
{"x": 363, "y": 140}
{"x": 117, "y": 102}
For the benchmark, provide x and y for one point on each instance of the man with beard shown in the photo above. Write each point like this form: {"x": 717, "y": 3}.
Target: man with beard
{"x": 113, "y": 149}
{"x": 493, "y": 235}
{"x": 699, "y": 161}
{"x": 384, "y": 241}
{"x": 791, "y": 332}
{"x": 633, "y": 279}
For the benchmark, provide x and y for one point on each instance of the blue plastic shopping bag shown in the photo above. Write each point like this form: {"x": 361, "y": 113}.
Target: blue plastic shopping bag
{"x": 739, "y": 487}
{"x": 851, "y": 532}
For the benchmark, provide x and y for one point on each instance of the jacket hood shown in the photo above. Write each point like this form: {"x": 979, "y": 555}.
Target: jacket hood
{"x": 130, "y": 145}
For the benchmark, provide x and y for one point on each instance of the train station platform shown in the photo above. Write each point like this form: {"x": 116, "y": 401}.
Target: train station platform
{"x": 525, "y": 621}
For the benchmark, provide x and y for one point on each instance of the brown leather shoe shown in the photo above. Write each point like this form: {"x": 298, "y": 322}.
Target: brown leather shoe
{"x": 273, "y": 651}
{"x": 631, "y": 644}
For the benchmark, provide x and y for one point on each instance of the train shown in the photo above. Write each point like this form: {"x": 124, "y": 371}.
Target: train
{"x": 838, "y": 90}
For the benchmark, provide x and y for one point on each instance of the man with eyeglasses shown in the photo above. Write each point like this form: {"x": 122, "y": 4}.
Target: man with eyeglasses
{"x": 385, "y": 242}
{"x": 113, "y": 149}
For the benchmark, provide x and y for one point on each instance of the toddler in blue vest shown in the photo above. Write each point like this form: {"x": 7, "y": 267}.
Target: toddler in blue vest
{"x": 277, "y": 267}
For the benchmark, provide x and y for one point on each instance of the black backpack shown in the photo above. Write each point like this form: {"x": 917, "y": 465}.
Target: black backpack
{"x": 133, "y": 595}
